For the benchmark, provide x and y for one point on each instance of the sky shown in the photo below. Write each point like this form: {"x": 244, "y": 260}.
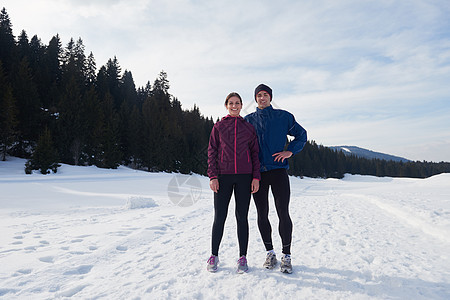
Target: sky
{"x": 373, "y": 74}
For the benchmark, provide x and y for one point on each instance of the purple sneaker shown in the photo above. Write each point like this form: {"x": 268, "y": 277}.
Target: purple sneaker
{"x": 213, "y": 261}
{"x": 242, "y": 265}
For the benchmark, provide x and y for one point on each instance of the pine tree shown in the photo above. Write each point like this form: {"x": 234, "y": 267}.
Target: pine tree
{"x": 29, "y": 108}
{"x": 161, "y": 84}
{"x": 93, "y": 124}
{"x": 8, "y": 112}
{"x": 128, "y": 89}
{"x": 113, "y": 81}
{"x": 71, "y": 126}
{"x": 51, "y": 75}
{"x": 110, "y": 155}
{"x": 135, "y": 139}
{"x": 91, "y": 68}
{"x": 75, "y": 64}
{"x": 129, "y": 95}
{"x": 35, "y": 56}
{"x": 143, "y": 93}
{"x": 44, "y": 157}
{"x": 80, "y": 59}
{"x": 7, "y": 42}
{"x": 123, "y": 125}
{"x": 23, "y": 46}
{"x": 148, "y": 129}
{"x": 102, "y": 83}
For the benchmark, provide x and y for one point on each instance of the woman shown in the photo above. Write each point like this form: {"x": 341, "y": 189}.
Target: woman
{"x": 233, "y": 165}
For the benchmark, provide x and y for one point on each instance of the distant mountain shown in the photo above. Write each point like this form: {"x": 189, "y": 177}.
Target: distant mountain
{"x": 364, "y": 153}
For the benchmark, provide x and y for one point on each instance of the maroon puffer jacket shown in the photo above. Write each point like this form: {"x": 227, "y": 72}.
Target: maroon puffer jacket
{"x": 233, "y": 148}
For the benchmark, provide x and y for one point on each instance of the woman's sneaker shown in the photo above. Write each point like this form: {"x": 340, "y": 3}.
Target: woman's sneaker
{"x": 213, "y": 261}
{"x": 242, "y": 265}
{"x": 286, "y": 266}
{"x": 271, "y": 260}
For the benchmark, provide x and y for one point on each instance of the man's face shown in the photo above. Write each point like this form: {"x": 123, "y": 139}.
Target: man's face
{"x": 263, "y": 99}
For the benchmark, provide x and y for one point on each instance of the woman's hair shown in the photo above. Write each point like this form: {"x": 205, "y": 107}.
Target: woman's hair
{"x": 233, "y": 94}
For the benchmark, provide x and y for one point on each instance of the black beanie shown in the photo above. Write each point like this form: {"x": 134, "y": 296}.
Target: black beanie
{"x": 265, "y": 88}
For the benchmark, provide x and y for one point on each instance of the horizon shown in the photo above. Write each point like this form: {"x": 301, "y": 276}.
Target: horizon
{"x": 381, "y": 85}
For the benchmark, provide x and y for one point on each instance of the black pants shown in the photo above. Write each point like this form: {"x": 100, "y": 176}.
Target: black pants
{"x": 241, "y": 185}
{"x": 279, "y": 181}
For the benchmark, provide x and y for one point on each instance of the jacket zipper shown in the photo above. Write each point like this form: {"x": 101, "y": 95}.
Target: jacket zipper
{"x": 235, "y": 143}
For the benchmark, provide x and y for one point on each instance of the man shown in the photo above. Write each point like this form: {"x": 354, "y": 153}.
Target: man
{"x": 272, "y": 127}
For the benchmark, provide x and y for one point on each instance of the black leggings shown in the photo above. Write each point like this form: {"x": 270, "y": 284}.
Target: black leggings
{"x": 279, "y": 181}
{"x": 241, "y": 184}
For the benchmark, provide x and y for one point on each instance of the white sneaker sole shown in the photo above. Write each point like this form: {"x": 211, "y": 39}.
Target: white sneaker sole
{"x": 285, "y": 270}
{"x": 272, "y": 266}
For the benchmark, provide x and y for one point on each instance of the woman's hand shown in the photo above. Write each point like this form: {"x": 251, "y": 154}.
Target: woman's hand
{"x": 214, "y": 185}
{"x": 255, "y": 185}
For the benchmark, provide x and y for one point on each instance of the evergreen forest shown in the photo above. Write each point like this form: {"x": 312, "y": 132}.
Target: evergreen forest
{"x": 56, "y": 106}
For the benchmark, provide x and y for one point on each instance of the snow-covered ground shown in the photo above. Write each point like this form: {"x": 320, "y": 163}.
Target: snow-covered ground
{"x": 91, "y": 233}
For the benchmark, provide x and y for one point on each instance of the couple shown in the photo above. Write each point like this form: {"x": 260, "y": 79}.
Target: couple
{"x": 247, "y": 156}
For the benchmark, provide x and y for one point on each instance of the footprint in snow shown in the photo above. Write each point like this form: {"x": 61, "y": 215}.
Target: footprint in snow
{"x": 77, "y": 252}
{"x": 81, "y": 270}
{"x": 47, "y": 259}
{"x": 24, "y": 271}
{"x": 122, "y": 248}
{"x": 120, "y": 233}
{"x": 158, "y": 228}
{"x": 71, "y": 292}
{"x": 6, "y": 291}
{"x": 369, "y": 258}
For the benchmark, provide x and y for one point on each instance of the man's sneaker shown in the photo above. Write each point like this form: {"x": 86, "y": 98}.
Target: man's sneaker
{"x": 286, "y": 266}
{"x": 271, "y": 260}
{"x": 242, "y": 265}
{"x": 213, "y": 261}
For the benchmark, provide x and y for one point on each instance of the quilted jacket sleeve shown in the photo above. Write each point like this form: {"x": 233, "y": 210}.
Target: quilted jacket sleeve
{"x": 213, "y": 157}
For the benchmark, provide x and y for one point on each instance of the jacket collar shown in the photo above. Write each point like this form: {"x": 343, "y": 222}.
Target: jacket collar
{"x": 231, "y": 117}
{"x": 268, "y": 109}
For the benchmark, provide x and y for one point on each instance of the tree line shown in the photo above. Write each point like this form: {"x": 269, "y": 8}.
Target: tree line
{"x": 320, "y": 161}
{"x": 53, "y": 100}
{"x": 56, "y": 107}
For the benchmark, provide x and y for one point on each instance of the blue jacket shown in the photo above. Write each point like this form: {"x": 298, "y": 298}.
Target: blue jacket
{"x": 272, "y": 127}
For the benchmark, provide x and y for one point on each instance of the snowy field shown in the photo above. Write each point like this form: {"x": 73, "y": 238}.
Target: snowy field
{"x": 88, "y": 233}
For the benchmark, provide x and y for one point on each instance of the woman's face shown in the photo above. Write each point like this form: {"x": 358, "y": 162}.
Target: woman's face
{"x": 234, "y": 106}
